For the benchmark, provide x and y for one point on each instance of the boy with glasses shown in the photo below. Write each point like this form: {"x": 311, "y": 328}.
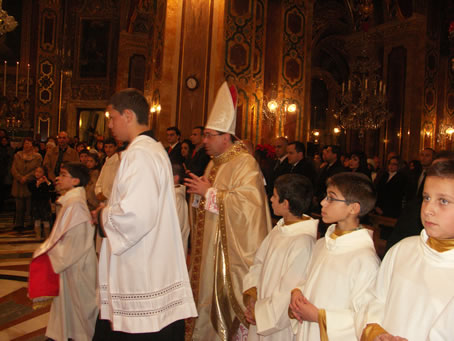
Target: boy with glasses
{"x": 343, "y": 267}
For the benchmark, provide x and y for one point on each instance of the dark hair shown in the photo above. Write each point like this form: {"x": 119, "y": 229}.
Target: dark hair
{"x": 84, "y": 151}
{"x": 417, "y": 165}
{"x": 299, "y": 147}
{"x": 133, "y": 100}
{"x": 78, "y": 171}
{"x": 175, "y": 129}
{"x": 355, "y": 187}
{"x": 110, "y": 141}
{"x": 297, "y": 190}
{"x": 177, "y": 169}
{"x": 432, "y": 150}
{"x": 363, "y": 167}
{"x": 94, "y": 156}
{"x": 441, "y": 169}
{"x": 444, "y": 154}
{"x": 335, "y": 149}
{"x": 191, "y": 146}
{"x": 202, "y": 129}
{"x": 29, "y": 139}
{"x": 44, "y": 168}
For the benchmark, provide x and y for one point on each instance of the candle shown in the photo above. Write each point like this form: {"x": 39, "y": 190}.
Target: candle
{"x": 384, "y": 89}
{"x": 365, "y": 84}
{"x": 349, "y": 85}
{"x": 4, "y": 80}
{"x": 379, "y": 86}
{"x": 28, "y": 79}
{"x": 17, "y": 76}
{"x": 343, "y": 88}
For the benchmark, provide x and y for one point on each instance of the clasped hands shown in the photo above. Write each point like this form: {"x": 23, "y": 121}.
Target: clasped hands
{"x": 301, "y": 308}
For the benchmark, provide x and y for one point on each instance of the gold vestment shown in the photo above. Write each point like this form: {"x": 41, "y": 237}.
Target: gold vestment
{"x": 223, "y": 245}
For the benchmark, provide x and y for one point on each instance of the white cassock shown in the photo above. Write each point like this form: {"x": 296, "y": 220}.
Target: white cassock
{"x": 279, "y": 265}
{"x": 143, "y": 278}
{"x": 72, "y": 254}
{"x": 183, "y": 215}
{"x": 414, "y": 291}
{"x": 339, "y": 274}
{"x": 106, "y": 177}
{"x": 443, "y": 328}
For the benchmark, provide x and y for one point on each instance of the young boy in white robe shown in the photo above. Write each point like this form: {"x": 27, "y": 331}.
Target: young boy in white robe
{"x": 413, "y": 296}
{"x": 344, "y": 264}
{"x": 70, "y": 248}
{"x": 181, "y": 203}
{"x": 281, "y": 260}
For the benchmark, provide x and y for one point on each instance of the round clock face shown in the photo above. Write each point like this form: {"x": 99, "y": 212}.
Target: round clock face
{"x": 192, "y": 83}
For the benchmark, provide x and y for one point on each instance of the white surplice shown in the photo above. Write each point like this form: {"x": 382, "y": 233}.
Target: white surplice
{"x": 106, "y": 177}
{"x": 339, "y": 274}
{"x": 279, "y": 265}
{"x": 143, "y": 279}
{"x": 183, "y": 215}
{"x": 72, "y": 254}
{"x": 413, "y": 291}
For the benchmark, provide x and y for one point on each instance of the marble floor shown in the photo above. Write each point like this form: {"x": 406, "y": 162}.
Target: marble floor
{"x": 18, "y": 320}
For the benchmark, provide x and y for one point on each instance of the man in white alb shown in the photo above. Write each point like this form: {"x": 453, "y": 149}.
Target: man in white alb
{"x": 143, "y": 280}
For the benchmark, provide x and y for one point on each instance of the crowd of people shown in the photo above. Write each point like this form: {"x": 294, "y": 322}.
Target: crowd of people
{"x": 185, "y": 244}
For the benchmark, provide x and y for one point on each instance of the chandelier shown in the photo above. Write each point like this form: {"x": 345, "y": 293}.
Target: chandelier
{"x": 362, "y": 103}
{"x": 7, "y": 22}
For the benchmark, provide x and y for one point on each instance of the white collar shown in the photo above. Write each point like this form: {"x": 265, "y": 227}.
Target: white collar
{"x": 308, "y": 226}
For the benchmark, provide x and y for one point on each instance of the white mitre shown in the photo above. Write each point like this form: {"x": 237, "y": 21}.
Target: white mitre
{"x": 223, "y": 114}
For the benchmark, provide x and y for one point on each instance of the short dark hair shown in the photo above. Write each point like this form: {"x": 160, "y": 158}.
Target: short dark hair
{"x": 444, "y": 154}
{"x": 78, "y": 171}
{"x": 441, "y": 169}
{"x": 84, "y": 151}
{"x": 297, "y": 190}
{"x": 299, "y": 147}
{"x": 44, "y": 168}
{"x": 335, "y": 149}
{"x": 133, "y": 100}
{"x": 202, "y": 129}
{"x": 110, "y": 141}
{"x": 175, "y": 129}
{"x": 177, "y": 169}
{"x": 355, "y": 187}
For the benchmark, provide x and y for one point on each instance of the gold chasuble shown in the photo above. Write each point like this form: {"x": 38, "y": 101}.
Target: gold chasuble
{"x": 224, "y": 244}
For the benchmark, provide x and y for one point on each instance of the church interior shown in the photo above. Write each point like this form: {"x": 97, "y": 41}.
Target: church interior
{"x": 369, "y": 75}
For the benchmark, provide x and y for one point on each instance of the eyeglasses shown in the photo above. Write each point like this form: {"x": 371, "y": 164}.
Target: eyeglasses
{"x": 208, "y": 135}
{"x": 330, "y": 199}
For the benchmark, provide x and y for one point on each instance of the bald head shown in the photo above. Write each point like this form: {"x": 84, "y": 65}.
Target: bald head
{"x": 63, "y": 139}
{"x": 280, "y": 145}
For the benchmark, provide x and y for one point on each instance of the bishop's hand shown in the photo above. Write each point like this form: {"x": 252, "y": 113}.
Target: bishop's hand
{"x": 197, "y": 185}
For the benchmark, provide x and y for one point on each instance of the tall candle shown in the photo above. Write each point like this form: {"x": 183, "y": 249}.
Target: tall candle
{"x": 28, "y": 79}
{"x": 17, "y": 76}
{"x": 4, "y": 79}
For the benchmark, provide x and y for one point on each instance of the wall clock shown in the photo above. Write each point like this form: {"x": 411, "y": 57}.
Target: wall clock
{"x": 192, "y": 83}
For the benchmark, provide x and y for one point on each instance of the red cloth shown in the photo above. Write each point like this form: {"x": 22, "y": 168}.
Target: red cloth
{"x": 169, "y": 150}
{"x": 42, "y": 280}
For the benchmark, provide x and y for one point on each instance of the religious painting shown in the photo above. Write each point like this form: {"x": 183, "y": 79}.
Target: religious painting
{"x": 94, "y": 48}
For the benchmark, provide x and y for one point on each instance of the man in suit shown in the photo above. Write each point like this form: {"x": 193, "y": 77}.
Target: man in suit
{"x": 58, "y": 155}
{"x": 174, "y": 148}
{"x": 199, "y": 158}
{"x": 298, "y": 163}
{"x": 331, "y": 156}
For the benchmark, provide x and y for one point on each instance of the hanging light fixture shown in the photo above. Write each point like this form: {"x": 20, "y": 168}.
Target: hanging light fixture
{"x": 7, "y": 22}
{"x": 362, "y": 102}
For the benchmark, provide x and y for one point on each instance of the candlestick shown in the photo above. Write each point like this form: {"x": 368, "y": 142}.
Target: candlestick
{"x": 343, "y": 87}
{"x": 28, "y": 79}
{"x": 349, "y": 85}
{"x": 365, "y": 84}
{"x": 17, "y": 76}
{"x": 4, "y": 79}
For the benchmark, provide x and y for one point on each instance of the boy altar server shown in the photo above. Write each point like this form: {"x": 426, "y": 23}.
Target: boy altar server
{"x": 414, "y": 290}
{"x": 344, "y": 265}
{"x": 71, "y": 251}
{"x": 280, "y": 262}
{"x": 143, "y": 279}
